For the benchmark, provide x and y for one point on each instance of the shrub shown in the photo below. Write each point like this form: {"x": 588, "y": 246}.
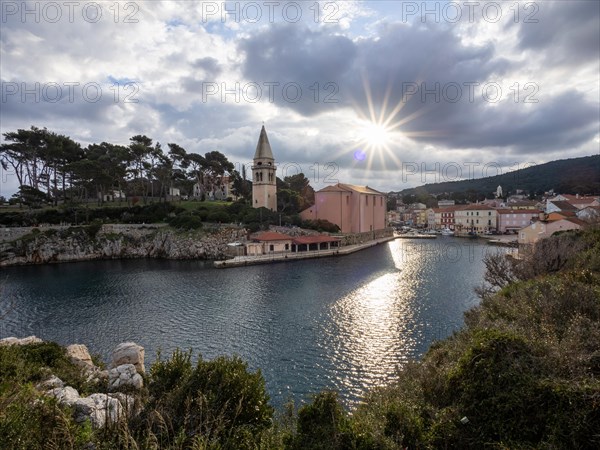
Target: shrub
{"x": 218, "y": 401}
{"x": 219, "y": 216}
{"x": 185, "y": 222}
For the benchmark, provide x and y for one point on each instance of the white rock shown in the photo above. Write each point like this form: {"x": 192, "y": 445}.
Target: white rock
{"x": 100, "y": 409}
{"x": 129, "y": 353}
{"x": 127, "y": 402}
{"x": 51, "y": 383}
{"x": 24, "y": 341}
{"x": 66, "y": 395}
{"x": 80, "y": 355}
{"x": 124, "y": 375}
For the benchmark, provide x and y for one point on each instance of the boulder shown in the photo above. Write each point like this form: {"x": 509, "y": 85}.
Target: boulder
{"x": 129, "y": 353}
{"x": 66, "y": 395}
{"x": 124, "y": 375}
{"x": 100, "y": 409}
{"x": 24, "y": 341}
{"x": 51, "y": 383}
{"x": 80, "y": 355}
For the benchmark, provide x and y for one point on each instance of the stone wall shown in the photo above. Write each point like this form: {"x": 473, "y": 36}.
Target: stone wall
{"x": 62, "y": 244}
{"x": 361, "y": 238}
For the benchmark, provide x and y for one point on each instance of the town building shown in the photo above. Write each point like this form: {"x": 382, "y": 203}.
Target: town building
{"x": 270, "y": 243}
{"x": 577, "y": 200}
{"x": 264, "y": 181}
{"x": 589, "y": 213}
{"x": 515, "y": 219}
{"x": 559, "y": 205}
{"x": 543, "y": 229}
{"x": 354, "y": 209}
{"x": 475, "y": 218}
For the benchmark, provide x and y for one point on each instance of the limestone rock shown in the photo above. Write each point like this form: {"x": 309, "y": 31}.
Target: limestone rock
{"x": 100, "y": 409}
{"x": 66, "y": 395}
{"x": 97, "y": 376}
{"x": 24, "y": 341}
{"x": 129, "y": 353}
{"x": 80, "y": 355}
{"x": 123, "y": 376}
{"x": 127, "y": 402}
{"x": 51, "y": 383}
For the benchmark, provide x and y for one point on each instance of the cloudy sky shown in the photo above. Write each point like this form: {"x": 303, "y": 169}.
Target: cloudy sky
{"x": 389, "y": 94}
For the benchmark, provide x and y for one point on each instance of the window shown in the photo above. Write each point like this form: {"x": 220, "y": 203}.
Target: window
{"x": 347, "y": 199}
{"x": 271, "y": 247}
{"x": 367, "y": 200}
{"x": 287, "y": 246}
{"x": 489, "y": 213}
{"x": 380, "y": 201}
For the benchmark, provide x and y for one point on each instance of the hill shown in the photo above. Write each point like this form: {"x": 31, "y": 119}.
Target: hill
{"x": 573, "y": 176}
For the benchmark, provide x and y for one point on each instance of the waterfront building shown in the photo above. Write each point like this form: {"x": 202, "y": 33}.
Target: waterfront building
{"x": 264, "y": 181}
{"x": 271, "y": 243}
{"x": 543, "y": 229}
{"x": 354, "y": 209}
{"x": 515, "y": 219}
{"x": 475, "y": 218}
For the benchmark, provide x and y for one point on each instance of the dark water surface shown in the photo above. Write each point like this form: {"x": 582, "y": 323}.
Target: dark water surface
{"x": 344, "y": 323}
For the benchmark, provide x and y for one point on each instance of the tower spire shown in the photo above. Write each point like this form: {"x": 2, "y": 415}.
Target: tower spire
{"x": 264, "y": 179}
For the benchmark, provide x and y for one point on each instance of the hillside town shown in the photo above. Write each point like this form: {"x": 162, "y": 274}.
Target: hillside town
{"x": 526, "y": 220}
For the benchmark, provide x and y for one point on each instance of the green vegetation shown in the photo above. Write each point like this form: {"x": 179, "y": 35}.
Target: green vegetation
{"x": 52, "y": 169}
{"x": 523, "y": 373}
{"x": 575, "y": 175}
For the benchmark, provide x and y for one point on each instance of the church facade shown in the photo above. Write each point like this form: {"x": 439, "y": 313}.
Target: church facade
{"x": 355, "y": 209}
{"x": 264, "y": 180}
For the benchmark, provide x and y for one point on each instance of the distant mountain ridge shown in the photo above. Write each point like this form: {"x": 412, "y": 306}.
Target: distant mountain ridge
{"x": 570, "y": 176}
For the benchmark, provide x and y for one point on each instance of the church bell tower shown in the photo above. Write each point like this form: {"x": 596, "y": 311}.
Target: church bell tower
{"x": 264, "y": 182}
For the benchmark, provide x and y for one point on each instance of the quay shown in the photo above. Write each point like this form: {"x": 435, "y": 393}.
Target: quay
{"x": 240, "y": 261}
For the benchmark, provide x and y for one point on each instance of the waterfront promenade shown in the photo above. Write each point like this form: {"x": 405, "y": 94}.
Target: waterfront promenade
{"x": 240, "y": 261}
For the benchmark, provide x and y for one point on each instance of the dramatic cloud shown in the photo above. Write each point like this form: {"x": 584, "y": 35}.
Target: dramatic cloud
{"x": 500, "y": 82}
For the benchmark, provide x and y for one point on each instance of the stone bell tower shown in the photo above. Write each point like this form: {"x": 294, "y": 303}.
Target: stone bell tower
{"x": 264, "y": 182}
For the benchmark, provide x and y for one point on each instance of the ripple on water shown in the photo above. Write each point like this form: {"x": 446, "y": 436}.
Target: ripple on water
{"x": 342, "y": 323}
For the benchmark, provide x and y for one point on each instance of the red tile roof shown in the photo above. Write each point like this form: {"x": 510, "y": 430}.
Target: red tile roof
{"x": 518, "y": 211}
{"x": 314, "y": 239}
{"x": 271, "y": 236}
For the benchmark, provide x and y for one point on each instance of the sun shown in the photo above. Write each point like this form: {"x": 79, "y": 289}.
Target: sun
{"x": 375, "y": 136}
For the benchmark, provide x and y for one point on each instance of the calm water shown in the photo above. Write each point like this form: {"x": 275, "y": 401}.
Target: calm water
{"x": 344, "y": 323}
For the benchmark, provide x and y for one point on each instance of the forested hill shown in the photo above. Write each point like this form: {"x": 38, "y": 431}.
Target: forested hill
{"x": 573, "y": 176}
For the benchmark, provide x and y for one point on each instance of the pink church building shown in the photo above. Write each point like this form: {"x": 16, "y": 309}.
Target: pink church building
{"x": 355, "y": 209}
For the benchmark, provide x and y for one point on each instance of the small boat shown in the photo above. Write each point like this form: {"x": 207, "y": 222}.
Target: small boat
{"x": 447, "y": 232}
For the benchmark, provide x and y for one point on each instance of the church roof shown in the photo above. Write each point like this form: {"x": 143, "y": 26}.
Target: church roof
{"x": 350, "y": 187}
{"x": 263, "y": 148}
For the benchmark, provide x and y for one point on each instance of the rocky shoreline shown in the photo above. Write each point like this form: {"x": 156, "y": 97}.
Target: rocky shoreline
{"x": 120, "y": 382}
{"x": 55, "y": 245}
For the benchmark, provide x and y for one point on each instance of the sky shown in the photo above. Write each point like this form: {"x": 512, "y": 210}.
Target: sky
{"x": 389, "y": 94}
